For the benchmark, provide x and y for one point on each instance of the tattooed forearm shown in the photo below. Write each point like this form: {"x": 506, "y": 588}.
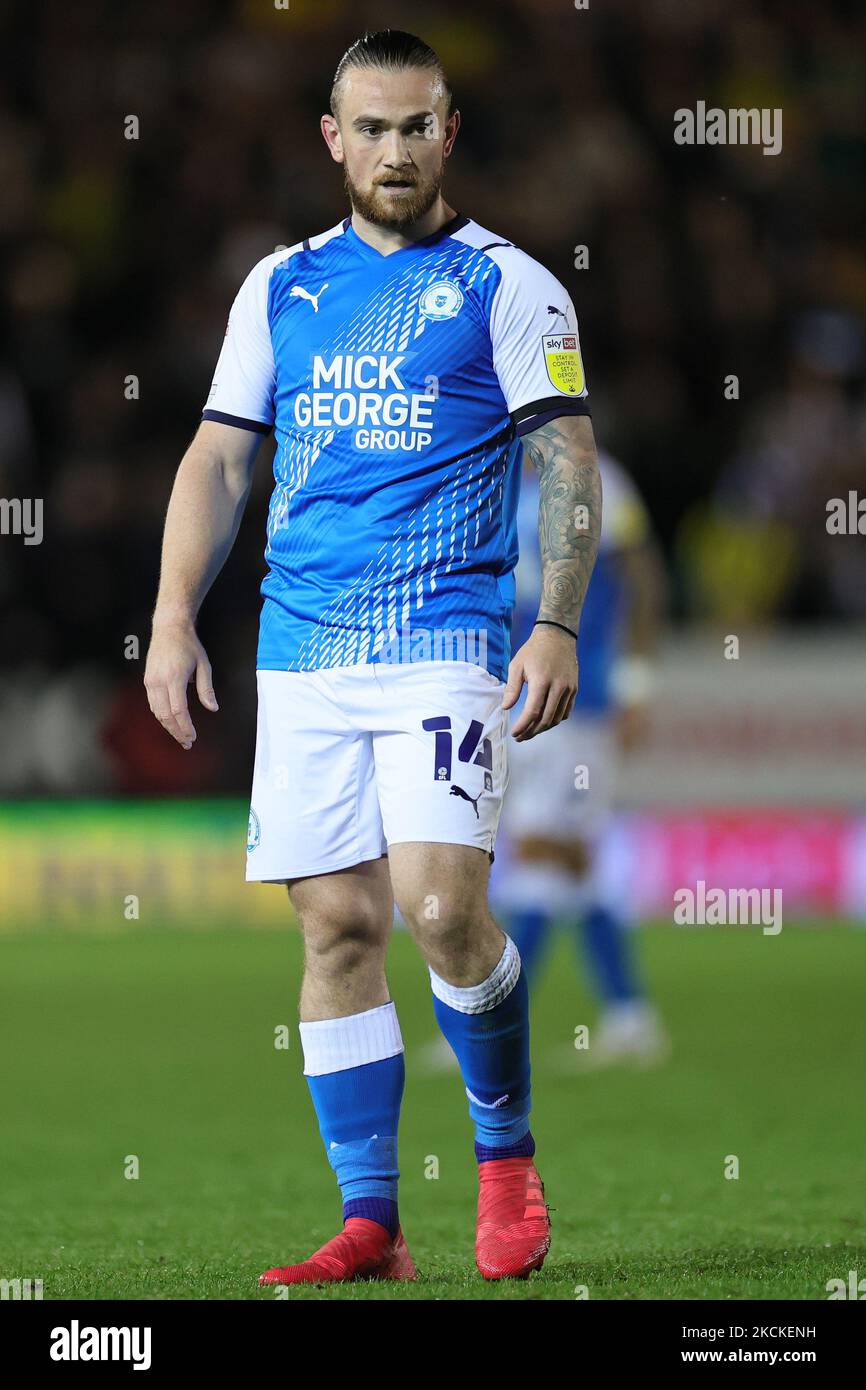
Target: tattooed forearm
{"x": 569, "y": 514}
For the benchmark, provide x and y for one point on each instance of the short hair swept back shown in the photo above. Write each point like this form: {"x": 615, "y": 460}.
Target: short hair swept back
{"x": 394, "y": 50}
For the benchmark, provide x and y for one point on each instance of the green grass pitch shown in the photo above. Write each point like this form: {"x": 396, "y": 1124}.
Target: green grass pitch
{"x": 161, "y": 1045}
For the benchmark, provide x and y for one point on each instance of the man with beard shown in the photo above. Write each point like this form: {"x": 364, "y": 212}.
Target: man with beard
{"x": 403, "y": 358}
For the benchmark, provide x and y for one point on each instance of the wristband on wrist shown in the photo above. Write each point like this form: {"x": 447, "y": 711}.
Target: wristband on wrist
{"x": 548, "y": 622}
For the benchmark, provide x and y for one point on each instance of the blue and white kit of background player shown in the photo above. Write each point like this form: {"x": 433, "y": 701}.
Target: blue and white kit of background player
{"x": 398, "y": 388}
{"x": 563, "y": 784}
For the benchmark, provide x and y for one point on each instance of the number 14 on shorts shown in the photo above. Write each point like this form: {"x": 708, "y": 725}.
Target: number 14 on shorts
{"x": 440, "y": 725}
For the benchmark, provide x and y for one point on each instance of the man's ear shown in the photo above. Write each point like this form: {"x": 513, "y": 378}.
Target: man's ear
{"x": 452, "y": 125}
{"x": 332, "y": 137}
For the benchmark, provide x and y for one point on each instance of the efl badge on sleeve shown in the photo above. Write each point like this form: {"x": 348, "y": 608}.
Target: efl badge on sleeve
{"x": 564, "y": 366}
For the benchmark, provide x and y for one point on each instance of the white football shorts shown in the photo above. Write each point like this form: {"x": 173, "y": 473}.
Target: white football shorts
{"x": 352, "y": 759}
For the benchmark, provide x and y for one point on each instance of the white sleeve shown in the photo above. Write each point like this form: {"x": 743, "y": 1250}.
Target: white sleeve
{"x": 536, "y": 348}
{"x": 242, "y": 392}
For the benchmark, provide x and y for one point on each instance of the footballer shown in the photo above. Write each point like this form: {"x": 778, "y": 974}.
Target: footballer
{"x": 403, "y": 358}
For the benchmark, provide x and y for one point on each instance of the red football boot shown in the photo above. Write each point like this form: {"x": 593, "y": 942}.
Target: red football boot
{"x": 362, "y": 1250}
{"x": 513, "y": 1232}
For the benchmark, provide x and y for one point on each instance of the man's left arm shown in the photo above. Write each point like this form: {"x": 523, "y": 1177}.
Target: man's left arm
{"x": 569, "y": 527}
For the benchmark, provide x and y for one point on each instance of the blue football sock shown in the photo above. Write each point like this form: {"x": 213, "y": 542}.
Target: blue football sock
{"x": 608, "y": 951}
{"x": 530, "y": 932}
{"x": 487, "y": 1026}
{"x": 355, "y": 1071}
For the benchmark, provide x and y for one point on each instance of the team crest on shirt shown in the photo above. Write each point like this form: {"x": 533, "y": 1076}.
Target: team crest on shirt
{"x": 441, "y": 300}
{"x": 254, "y": 832}
{"x": 563, "y": 361}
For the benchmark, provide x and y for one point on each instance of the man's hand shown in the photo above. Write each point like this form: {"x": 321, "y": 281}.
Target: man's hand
{"x": 175, "y": 656}
{"x": 207, "y": 502}
{"x": 547, "y": 662}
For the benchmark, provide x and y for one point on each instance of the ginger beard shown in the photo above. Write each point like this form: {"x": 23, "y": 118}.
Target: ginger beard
{"x": 400, "y": 210}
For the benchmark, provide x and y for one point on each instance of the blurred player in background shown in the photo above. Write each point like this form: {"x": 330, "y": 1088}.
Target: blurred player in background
{"x": 557, "y": 813}
{"x": 558, "y": 809}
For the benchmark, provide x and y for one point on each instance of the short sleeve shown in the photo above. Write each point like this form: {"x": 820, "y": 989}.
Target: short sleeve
{"x": 242, "y": 392}
{"x": 536, "y": 347}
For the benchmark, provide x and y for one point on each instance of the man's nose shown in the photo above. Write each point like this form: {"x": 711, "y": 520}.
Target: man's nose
{"x": 396, "y": 151}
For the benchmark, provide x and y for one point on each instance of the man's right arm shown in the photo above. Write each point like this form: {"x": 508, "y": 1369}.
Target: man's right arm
{"x": 204, "y": 513}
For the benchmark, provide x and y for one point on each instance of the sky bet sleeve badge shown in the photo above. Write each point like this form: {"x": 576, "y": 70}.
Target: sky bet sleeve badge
{"x": 564, "y": 365}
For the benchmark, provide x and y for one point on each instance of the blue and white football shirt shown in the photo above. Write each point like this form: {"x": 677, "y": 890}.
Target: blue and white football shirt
{"x": 397, "y": 387}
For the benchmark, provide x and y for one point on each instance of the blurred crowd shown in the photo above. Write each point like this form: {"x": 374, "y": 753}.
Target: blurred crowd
{"x": 120, "y": 258}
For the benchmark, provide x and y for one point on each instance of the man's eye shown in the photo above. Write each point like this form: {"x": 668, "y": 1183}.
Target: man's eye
{"x": 370, "y": 129}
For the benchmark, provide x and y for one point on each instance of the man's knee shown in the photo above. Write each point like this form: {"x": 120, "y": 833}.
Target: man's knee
{"x": 446, "y": 914}
{"x": 342, "y": 931}
{"x": 340, "y": 952}
{"x": 451, "y": 932}
{"x": 440, "y": 888}
{"x": 441, "y": 891}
